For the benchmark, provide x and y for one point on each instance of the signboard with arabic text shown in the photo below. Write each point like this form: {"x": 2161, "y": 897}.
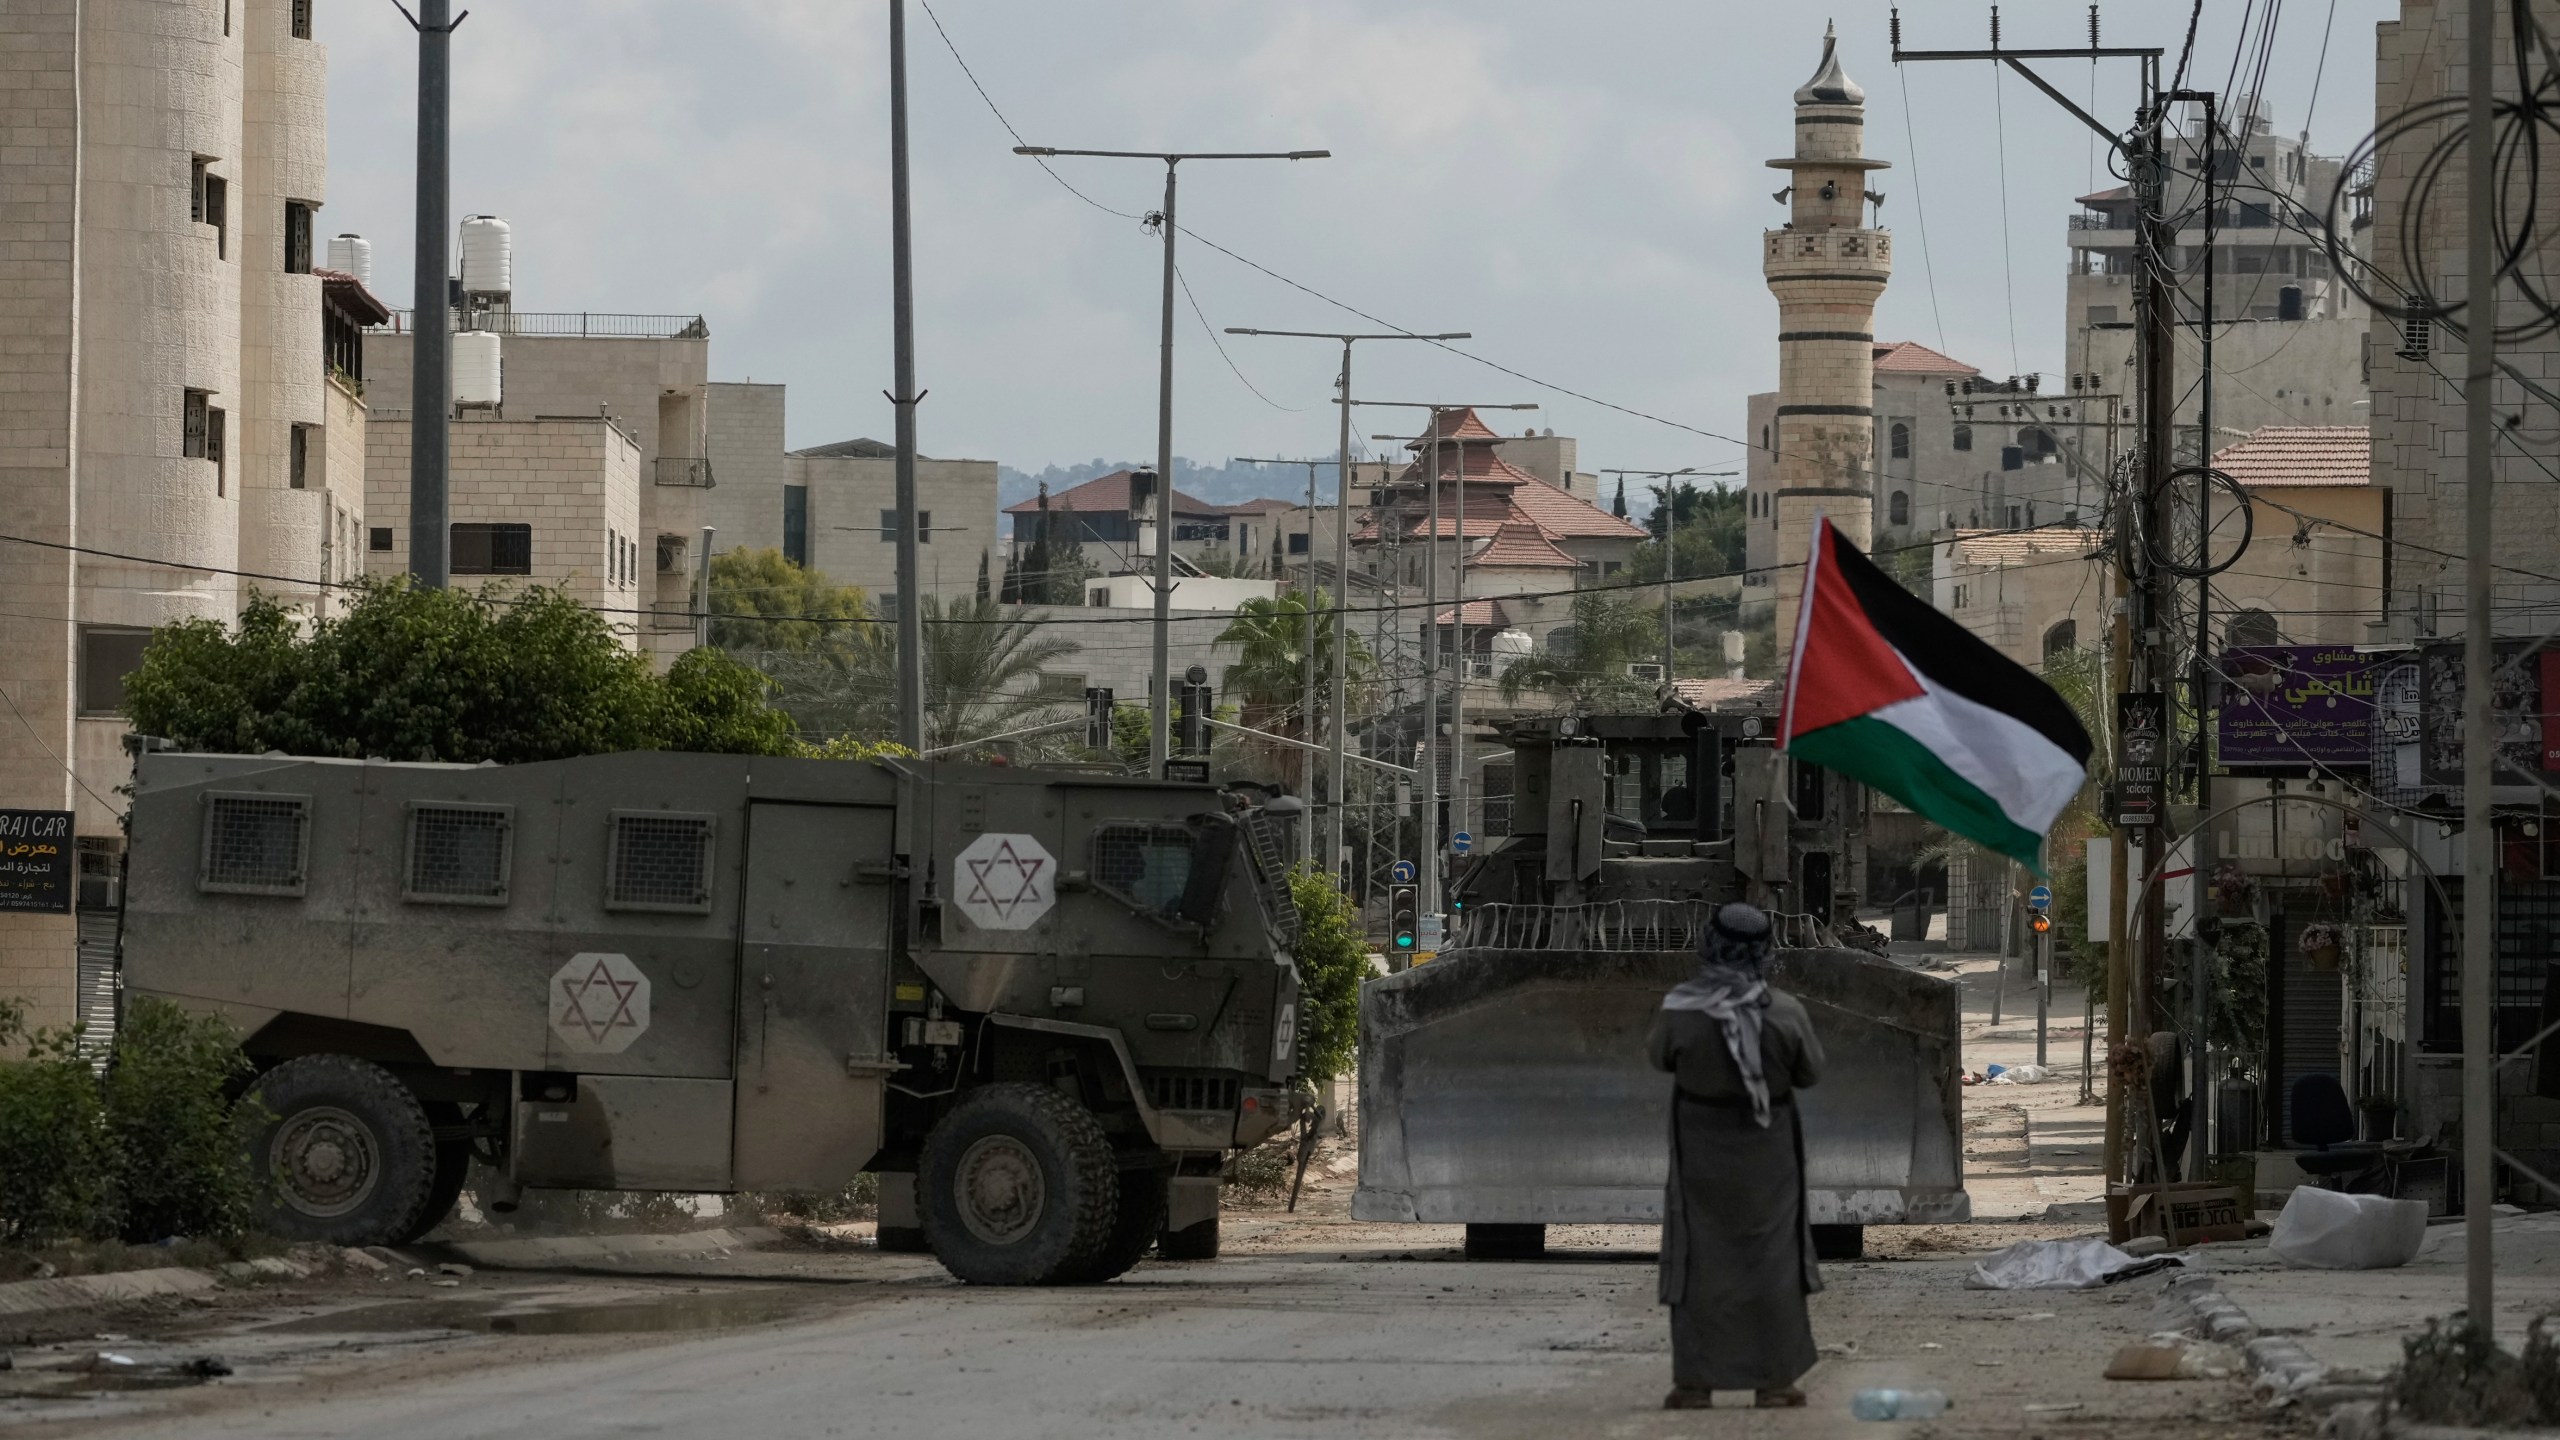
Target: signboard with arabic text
{"x": 2296, "y": 705}
{"x": 38, "y": 869}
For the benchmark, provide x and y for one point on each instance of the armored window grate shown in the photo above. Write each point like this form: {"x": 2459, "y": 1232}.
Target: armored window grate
{"x": 255, "y": 844}
{"x": 459, "y": 854}
{"x": 659, "y": 861}
{"x": 1193, "y": 1092}
{"x": 1147, "y": 866}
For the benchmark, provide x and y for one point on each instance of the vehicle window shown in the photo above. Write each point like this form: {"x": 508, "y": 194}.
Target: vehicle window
{"x": 1649, "y": 784}
{"x": 1144, "y": 865}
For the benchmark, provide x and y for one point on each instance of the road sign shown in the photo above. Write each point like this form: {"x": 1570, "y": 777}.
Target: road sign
{"x": 1460, "y": 842}
{"x": 1402, "y": 872}
{"x": 1431, "y": 934}
{"x": 2040, "y": 898}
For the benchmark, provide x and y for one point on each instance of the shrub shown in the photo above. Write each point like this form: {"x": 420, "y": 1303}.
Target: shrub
{"x": 180, "y": 1165}
{"x": 1333, "y": 956}
{"x": 54, "y": 1177}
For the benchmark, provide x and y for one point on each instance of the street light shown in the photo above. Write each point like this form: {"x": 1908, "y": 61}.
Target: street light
{"x": 1342, "y": 555}
{"x": 1159, "y": 745}
{"x": 1307, "y": 657}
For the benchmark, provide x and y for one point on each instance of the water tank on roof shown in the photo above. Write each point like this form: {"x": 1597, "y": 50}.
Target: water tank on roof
{"x": 478, "y": 371}
{"x": 488, "y": 256}
{"x": 1507, "y": 646}
{"x": 354, "y": 255}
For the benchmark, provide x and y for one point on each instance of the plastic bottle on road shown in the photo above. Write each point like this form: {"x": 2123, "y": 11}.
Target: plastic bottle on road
{"x": 1898, "y": 1404}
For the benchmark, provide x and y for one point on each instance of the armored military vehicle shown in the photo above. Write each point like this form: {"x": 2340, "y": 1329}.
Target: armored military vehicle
{"x": 1042, "y": 1005}
{"x": 1504, "y": 1085}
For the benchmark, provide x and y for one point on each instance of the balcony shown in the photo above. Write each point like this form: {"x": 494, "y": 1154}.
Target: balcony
{"x": 688, "y": 471}
{"x": 568, "y": 324}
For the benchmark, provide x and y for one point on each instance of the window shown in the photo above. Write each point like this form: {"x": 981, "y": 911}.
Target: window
{"x": 2415, "y": 336}
{"x": 108, "y": 653}
{"x": 226, "y": 17}
{"x": 1097, "y": 596}
{"x": 1298, "y": 543}
{"x": 254, "y": 844}
{"x": 1901, "y": 434}
{"x": 2102, "y": 314}
{"x": 889, "y": 527}
{"x": 298, "y": 458}
{"x": 482, "y": 549}
{"x": 1898, "y": 509}
{"x": 459, "y": 854}
{"x": 2254, "y": 216}
{"x": 301, "y": 19}
{"x": 297, "y": 238}
{"x": 378, "y": 538}
{"x": 795, "y": 524}
{"x": 1961, "y": 598}
{"x": 1964, "y": 437}
{"x": 659, "y": 861}
{"x": 2252, "y": 627}
{"x": 1064, "y": 687}
{"x": 1147, "y": 866}
{"x": 191, "y": 443}
{"x": 209, "y": 203}
{"x": 2062, "y": 639}
{"x": 1764, "y": 437}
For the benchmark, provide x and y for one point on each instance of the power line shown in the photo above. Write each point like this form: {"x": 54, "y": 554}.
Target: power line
{"x": 1920, "y": 204}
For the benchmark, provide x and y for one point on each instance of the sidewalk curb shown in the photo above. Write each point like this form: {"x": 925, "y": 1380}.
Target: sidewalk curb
{"x": 537, "y": 1253}
{"x": 2281, "y": 1371}
{"x": 77, "y": 1292}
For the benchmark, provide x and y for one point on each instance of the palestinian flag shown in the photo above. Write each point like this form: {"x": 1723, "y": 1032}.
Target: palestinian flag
{"x": 1886, "y": 690}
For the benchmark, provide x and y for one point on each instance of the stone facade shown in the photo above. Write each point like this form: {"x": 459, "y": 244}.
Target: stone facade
{"x": 746, "y": 506}
{"x": 575, "y": 482}
{"x": 1827, "y": 271}
{"x": 845, "y": 495}
{"x": 155, "y": 355}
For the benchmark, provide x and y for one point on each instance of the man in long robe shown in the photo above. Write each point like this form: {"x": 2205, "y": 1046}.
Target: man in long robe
{"x": 1737, "y": 1249}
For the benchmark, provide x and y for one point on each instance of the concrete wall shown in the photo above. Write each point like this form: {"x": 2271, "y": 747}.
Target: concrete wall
{"x": 284, "y": 136}
{"x": 746, "y": 462}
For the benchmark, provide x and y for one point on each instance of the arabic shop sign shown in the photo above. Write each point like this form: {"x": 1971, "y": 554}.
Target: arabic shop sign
{"x": 37, "y": 867}
{"x": 2296, "y": 705}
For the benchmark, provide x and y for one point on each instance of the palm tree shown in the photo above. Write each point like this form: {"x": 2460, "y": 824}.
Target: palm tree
{"x": 979, "y": 665}
{"x": 1267, "y": 681}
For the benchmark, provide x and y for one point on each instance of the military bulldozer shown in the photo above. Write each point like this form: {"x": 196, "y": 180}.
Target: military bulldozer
{"x": 1504, "y": 1085}
{"x": 1042, "y": 1006}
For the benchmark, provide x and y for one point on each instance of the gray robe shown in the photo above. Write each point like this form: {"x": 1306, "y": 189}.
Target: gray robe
{"x": 1737, "y": 1249}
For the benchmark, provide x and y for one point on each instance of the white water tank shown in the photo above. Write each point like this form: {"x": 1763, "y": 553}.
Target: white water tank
{"x": 488, "y": 256}
{"x": 352, "y": 254}
{"x": 478, "y": 372}
{"x": 1507, "y": 646}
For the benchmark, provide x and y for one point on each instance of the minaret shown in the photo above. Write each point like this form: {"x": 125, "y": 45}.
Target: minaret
{"x": 1827, "y": 271}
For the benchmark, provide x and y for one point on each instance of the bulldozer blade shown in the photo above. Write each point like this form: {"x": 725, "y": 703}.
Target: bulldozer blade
{"x": 1512, "y": 1087}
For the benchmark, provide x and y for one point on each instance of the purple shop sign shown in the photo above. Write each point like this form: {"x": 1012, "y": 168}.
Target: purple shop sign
{"x": 2297, "y": 705}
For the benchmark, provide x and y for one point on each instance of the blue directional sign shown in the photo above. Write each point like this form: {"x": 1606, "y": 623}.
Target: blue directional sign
{"x": 1402, "y": 872}
{"x": 1460, "y": 842}
{"x": 2040, "y": 898}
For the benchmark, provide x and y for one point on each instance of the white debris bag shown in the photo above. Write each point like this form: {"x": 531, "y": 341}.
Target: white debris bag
{"x": 2062, "y": 1265}
{"x": 2324, "y": 1230}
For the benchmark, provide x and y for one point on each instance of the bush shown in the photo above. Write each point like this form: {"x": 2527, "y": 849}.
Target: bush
{"x": 53, "y": 1180}
{"x": 1333, "y": 957}
{"x": 181, "y": 1166}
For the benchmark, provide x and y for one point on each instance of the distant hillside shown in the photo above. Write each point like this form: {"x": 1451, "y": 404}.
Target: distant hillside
{"x": 1222, "y": 484}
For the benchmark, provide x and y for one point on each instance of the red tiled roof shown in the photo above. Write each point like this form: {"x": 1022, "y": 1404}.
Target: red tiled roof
{"x": 351, "y": 292}
{"x": 1909, "y": 357}
{"x": 2301, "y": 455}
{"x": 1455, "y": 425}
{"x": 1992, "y": 548}
{"x": 2122, "y": 194}
{"x": 1570, "y": 517}
{"x": 1263, "y": 505}
{"x": 1110, "y": 494}
{"x": 1481, "y": 614}
{"x": 1522, "y": 544}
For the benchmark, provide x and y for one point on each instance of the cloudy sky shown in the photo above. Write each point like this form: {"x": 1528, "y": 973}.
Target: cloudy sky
{"x": 1581, "y": 185}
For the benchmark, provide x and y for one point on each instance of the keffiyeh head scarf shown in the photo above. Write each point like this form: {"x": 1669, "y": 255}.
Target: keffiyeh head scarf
{"x": 1729, "y": 988}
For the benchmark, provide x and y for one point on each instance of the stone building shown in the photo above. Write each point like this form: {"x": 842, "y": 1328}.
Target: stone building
{"x": 168, "y": 415}
{"x": 844, "y": 500}
{"x": 1827, "y": 268}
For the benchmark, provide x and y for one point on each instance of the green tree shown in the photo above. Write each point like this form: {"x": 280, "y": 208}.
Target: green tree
{"x": 446, "y": 675}
{"x": 1333, "y": 957}
{"x": 1589, "y": 670}
{"x": 1711, "y": 523}
{"x": 761, "y": 601}
{"x": 1267, "y": 681}
{"x": 981, "y": 665}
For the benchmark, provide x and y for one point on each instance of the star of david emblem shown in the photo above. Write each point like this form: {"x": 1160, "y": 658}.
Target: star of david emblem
{"x": 1001, "y": 881}
{"x": 600, "y": 1003}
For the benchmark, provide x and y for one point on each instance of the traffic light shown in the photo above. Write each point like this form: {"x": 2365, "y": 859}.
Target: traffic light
{"x": 1191, "y": 730}
{"x": 1097, "y": 717}
{"x": 2042, "y": 922}
{"x": 1402, "y": 917}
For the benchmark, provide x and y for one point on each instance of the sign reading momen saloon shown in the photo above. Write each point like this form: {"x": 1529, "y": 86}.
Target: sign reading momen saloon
{"x": 38, "y": 870}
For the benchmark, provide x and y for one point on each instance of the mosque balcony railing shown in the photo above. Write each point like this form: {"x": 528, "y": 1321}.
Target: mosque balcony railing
{"x": 1783, "y": 250}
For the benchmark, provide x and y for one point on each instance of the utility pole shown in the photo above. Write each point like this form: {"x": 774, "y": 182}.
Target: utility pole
{"x": 1670, "y": 540}
{"x": 2142, "y": 660}
{"x": 1432, "y": 663}
{"x": 1307, "y": 663}
{"x": 1159, "y": 742}
{"x": 1338, "y": 775}
{"x": 904, "y": 397}
{"x": 2479, "y": 736}
{"x": 431, "y": 314}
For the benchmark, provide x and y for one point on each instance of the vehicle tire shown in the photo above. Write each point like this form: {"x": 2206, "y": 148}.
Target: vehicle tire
{"x": 1839, "y": 1242}
{"x": 1017, "y": 1186}
{"x": 904, "y": 1240}
{"x": 1135, "y": 1223}
{"x": 1506, "y": 1242}
{"x": 1196, "y": 1241}
{"x": 344, "y": 1154}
